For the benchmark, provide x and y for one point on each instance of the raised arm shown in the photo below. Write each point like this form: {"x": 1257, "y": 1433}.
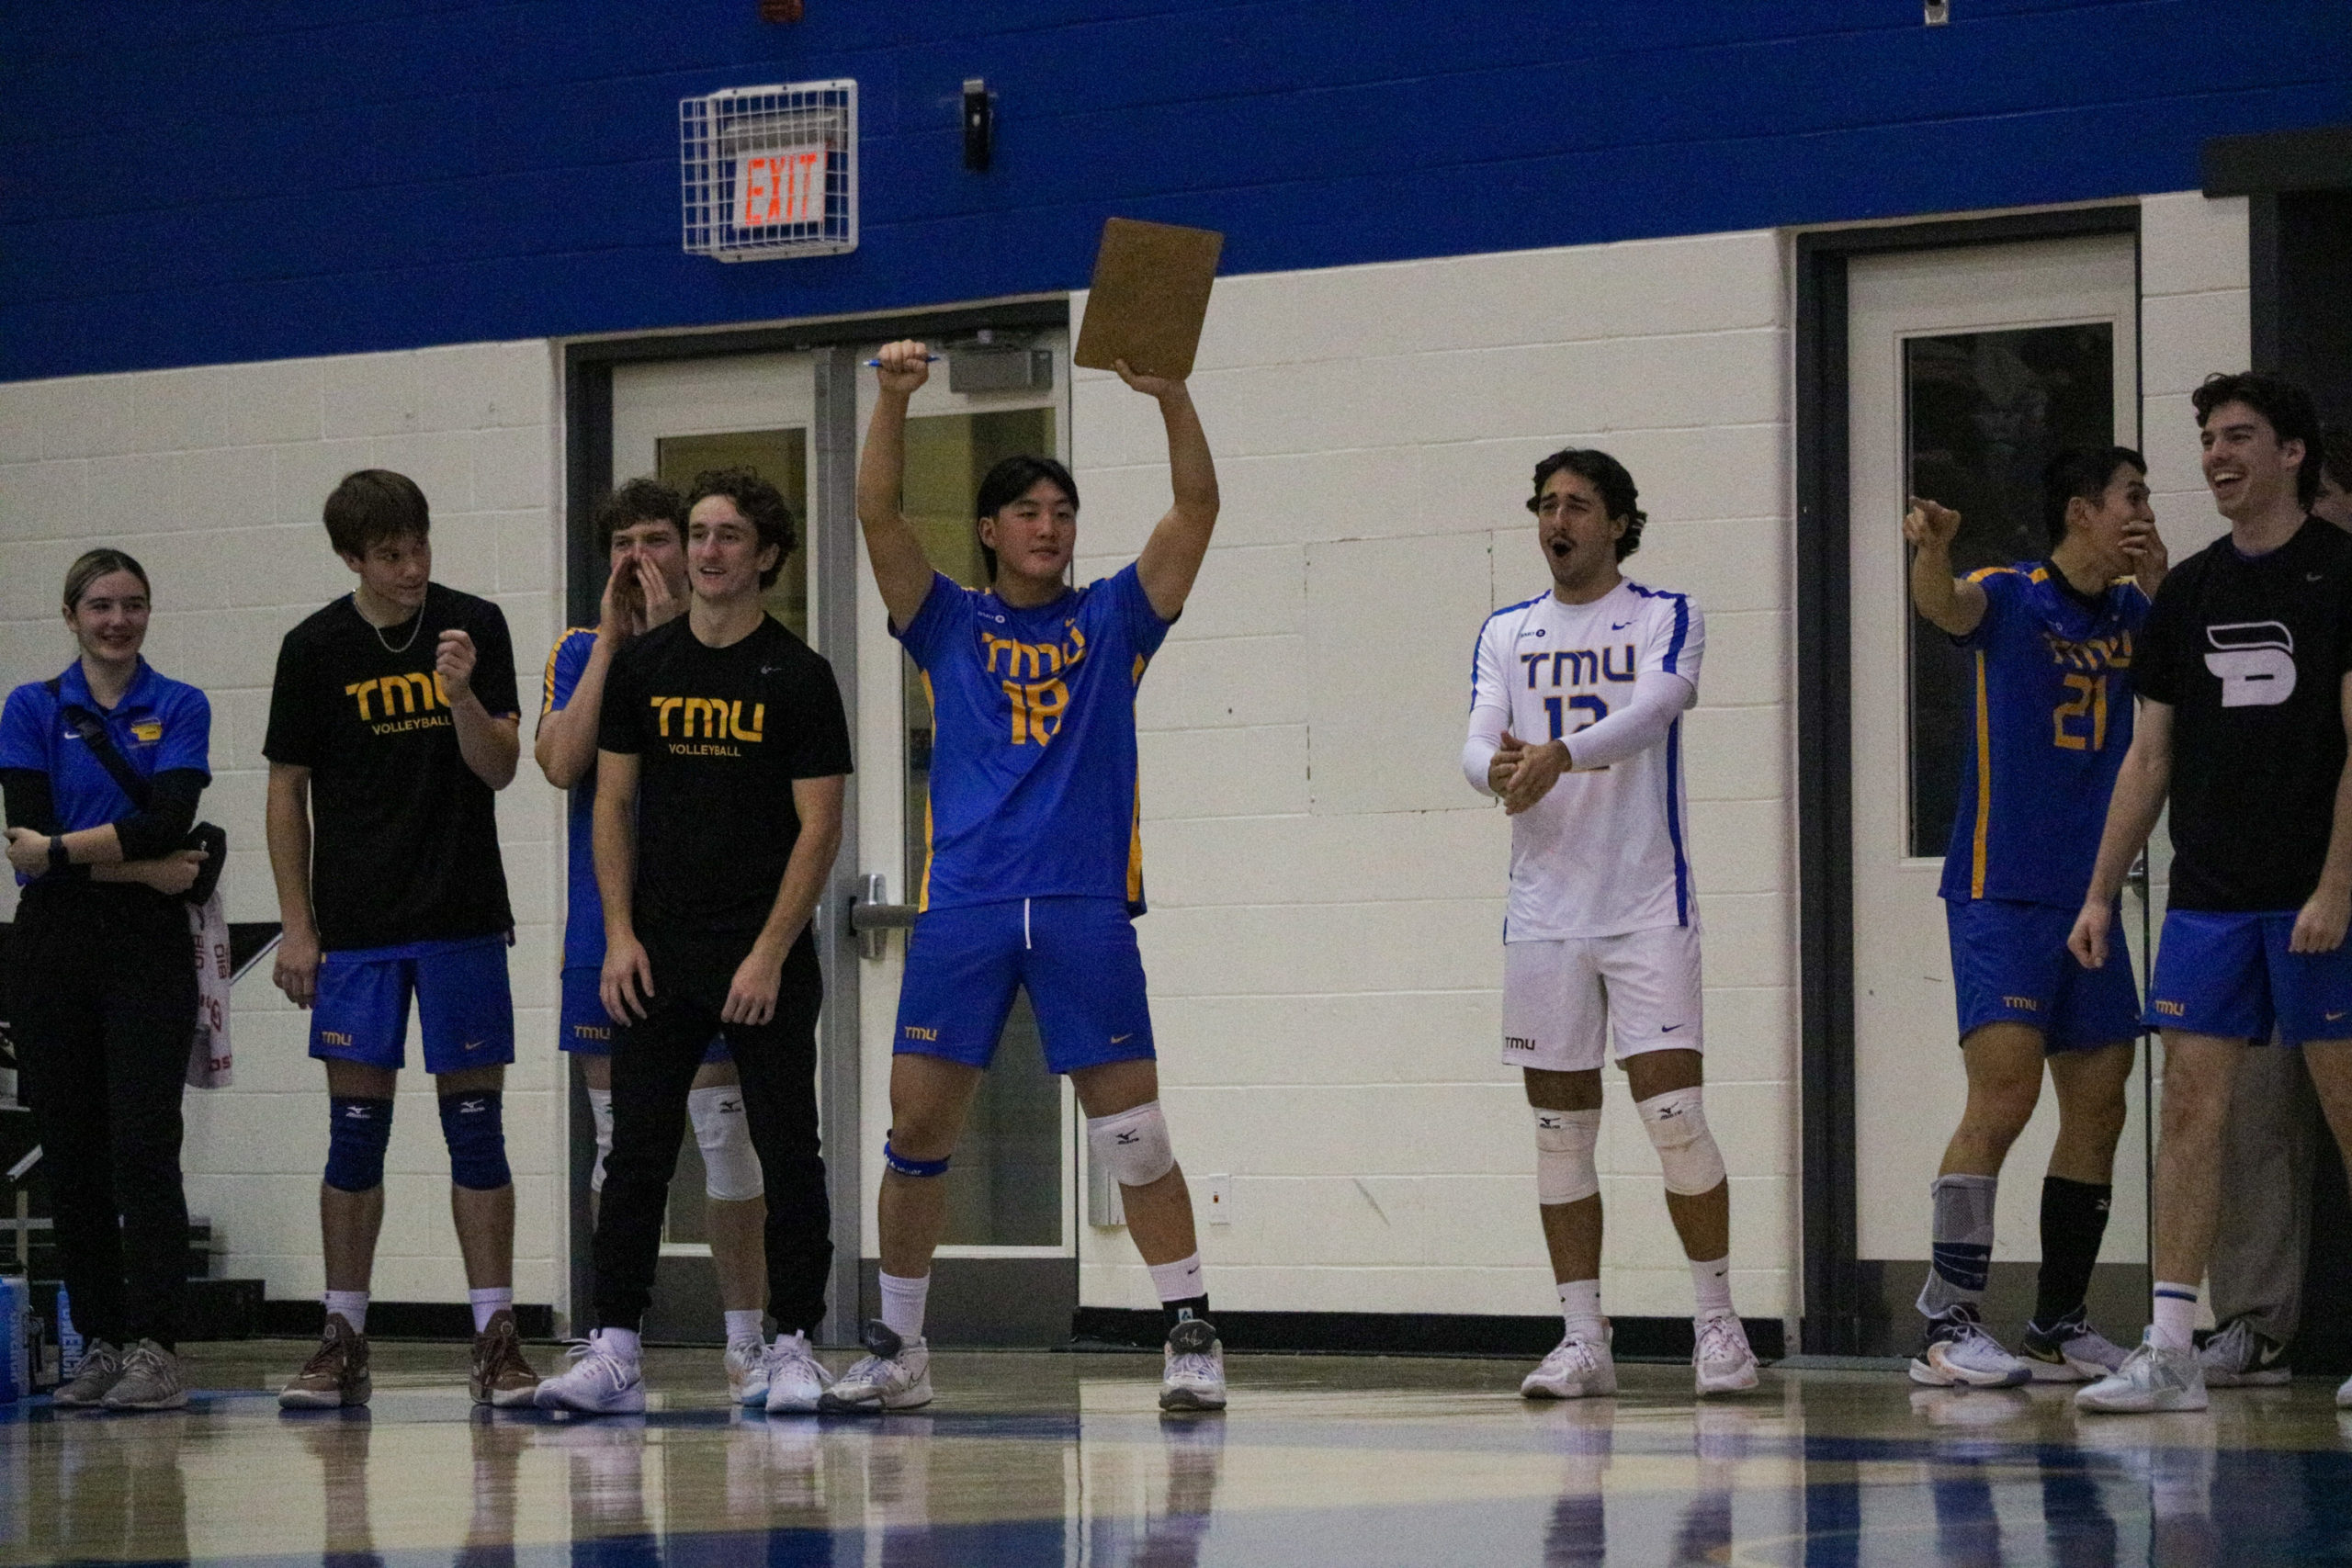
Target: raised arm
{"x": 1172, "y": 558}
{"x": 901, "y": 570}
{"x": 1950, "y": 603}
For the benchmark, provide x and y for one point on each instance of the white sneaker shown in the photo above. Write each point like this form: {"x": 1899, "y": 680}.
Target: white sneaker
{"x": 597, "y": 1382}
{"x": 1576, "y": 1368}
{"x": 1721, "y": 1363}
{"x": 891, "y": 1375}
{"x": 2343, "y": 1395}
{"x": 747, "y": 1371}
{"x": 1959, "y": 1353}
{"x": 1193, "y": 1378}
{"x": 2150, "y": 1379}
{"x": 795, "y": 1378}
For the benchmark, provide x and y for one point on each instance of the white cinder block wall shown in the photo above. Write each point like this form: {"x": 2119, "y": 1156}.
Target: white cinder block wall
{"x": 2193, "y": 320}
{"x": 1327, "y": 892}
{"x": 213, "y": 478}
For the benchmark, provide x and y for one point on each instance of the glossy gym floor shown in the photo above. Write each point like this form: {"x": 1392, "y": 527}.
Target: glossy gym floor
{"x": 1064, "y": 1458}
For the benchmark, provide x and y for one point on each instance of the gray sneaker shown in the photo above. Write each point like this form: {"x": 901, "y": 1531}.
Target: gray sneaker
{"x": 150, "y": 1380}
{"x": 1959, "y": 1353}
{"x": 2234, "y": 1355}
{"x": 2151, "y": 1379}
{"x": 101, "y": 1366}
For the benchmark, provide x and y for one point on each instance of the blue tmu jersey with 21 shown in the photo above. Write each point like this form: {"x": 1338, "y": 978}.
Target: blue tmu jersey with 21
{"x": 2050, "y": 714}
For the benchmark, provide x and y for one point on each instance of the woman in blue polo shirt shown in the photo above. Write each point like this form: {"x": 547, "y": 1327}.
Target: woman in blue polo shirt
{"x": 100, "y": 987}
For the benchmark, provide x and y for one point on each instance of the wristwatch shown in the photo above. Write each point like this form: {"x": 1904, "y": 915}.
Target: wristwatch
{"x": 59, "y": 859}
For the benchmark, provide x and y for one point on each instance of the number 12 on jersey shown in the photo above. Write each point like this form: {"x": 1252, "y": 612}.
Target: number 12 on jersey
{"x": 1558, "y": 708}
{"x": 2089, "y": 700}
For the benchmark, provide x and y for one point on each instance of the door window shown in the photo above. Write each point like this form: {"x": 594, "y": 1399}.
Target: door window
{"x": 1984, "y": 411}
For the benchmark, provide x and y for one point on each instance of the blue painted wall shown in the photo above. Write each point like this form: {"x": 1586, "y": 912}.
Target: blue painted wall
{"x": 214, "y": 180}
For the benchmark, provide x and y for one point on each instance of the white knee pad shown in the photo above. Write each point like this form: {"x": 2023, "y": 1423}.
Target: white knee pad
{"x": 600, "y": 1110}
{"x": 1564, "y": 1172}
{"x": 1133, "y": 1146}
{"x": 730, "y": 1167}
{"x": 1677, "y": 1123}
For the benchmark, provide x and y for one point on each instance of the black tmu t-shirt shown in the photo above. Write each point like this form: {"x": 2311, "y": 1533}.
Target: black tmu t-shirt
{"x": 404, "y": 835}
{"x": 721, "y": 733}
{"x": 2251, "y": 654}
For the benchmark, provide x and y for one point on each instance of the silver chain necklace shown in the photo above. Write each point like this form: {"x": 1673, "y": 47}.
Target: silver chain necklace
{"x": 415, "y": 626}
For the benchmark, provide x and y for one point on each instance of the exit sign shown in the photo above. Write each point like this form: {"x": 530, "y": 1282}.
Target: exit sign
{"x": 783, "y": 185}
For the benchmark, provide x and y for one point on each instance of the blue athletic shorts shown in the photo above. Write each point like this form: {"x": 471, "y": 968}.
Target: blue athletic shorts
{"x": 2231, "y": 974}
{"x": 463, "y": 1002}
{"x": 2009, "y": 965}
{"x": 587, "y": 1029}
{"x": 1076, "y": 957}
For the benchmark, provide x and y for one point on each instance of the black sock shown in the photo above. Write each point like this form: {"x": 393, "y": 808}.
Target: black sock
{"x": 1192, "y": 1306}
{"x": 2073, "y": 1220}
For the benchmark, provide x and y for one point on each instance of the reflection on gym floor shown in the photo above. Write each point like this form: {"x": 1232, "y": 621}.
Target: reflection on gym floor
{"x": 1064, "y": 1460}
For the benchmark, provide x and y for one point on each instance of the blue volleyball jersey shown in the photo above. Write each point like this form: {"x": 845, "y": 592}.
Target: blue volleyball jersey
{"x": 2050, "y": 718}
{"x": 584, "y": 918}
{"x": 1034, "y": 792}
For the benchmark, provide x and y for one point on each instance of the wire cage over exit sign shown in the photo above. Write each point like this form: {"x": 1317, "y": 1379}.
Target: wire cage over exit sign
{"x": 770, "y": 172}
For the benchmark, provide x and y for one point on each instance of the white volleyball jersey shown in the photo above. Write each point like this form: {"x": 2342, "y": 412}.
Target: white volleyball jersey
{"x": 1608, "y": 850}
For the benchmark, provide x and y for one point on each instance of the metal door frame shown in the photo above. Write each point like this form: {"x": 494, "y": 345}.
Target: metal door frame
{"x": 588, "y": 365}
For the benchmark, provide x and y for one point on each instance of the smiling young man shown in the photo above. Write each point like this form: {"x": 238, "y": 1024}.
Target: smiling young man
{"x": 2051, "y": 645}
{"x": 392, "y": 722}
{"x": 2245, "y": 679}
{"x": 721, "y": 753}
{"x": 1576, "y": 723}
{"x": 1033, "y": 878}
{"x": 642, "y": 527}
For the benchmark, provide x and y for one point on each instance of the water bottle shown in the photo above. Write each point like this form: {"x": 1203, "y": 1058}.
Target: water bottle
{"x": 69, "y": 1339}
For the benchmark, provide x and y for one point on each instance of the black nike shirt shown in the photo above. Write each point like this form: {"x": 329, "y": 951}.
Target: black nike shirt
{"x": 2250, "y": 652}
{"x": 720, "y": 734}
{"x": 404, "y": 835}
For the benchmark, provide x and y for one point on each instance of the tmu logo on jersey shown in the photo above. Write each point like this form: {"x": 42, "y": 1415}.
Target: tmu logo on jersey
{"x": 1032, "y": 676}
{"x": 2255, "y": 661}
{"x": 715, "y": 719}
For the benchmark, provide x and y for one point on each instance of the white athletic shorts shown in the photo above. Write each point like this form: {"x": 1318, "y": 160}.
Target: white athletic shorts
{"x": 1564, "y": 1000}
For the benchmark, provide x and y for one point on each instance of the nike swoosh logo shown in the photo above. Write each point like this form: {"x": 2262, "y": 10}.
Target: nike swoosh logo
{"x": 2334, "y": 1016}
{"x": 1120, "y": 1039}
{"x": 2314, "y": 577}
{"x": 1668, "y": 1028}
{"x": 1619, "y": 626}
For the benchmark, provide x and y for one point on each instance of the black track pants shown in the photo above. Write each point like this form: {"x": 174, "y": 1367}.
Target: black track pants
{"x": 102, "y": 1003}
{"x": 654, "y": 1064}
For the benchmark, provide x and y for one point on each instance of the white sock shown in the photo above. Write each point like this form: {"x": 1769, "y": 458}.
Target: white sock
{"x": 743, "y": 1325}
{"x": 352, "y": 1305}
{"x": 623, "y": 1343}
{"x": 488, "y": 1302}
{"x": 1711, "y": 1286}
{"x": 2175, "y": 1315}
{"x": 600, "y": 1111}
{"x": 902, "y": 1304}
{"x": 1179, "y": 1281}
{"x": 1580, "y": 1307}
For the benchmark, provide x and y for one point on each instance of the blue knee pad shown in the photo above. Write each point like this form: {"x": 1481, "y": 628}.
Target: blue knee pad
{"x": 357, "y": 1138}
{"x": 906, "y": 1165}
{"x": 472, "y": 1125}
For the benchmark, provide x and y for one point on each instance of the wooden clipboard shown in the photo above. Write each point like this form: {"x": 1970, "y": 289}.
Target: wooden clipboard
{"x": 1149, "y": 296}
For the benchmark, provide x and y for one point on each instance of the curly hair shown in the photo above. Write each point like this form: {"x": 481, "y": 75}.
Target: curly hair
{"x": 1609, "y": 477}
{"x": 760, "y": 503}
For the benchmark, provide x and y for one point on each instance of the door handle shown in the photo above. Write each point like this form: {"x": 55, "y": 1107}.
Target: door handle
{"x": 873, "y": 917}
